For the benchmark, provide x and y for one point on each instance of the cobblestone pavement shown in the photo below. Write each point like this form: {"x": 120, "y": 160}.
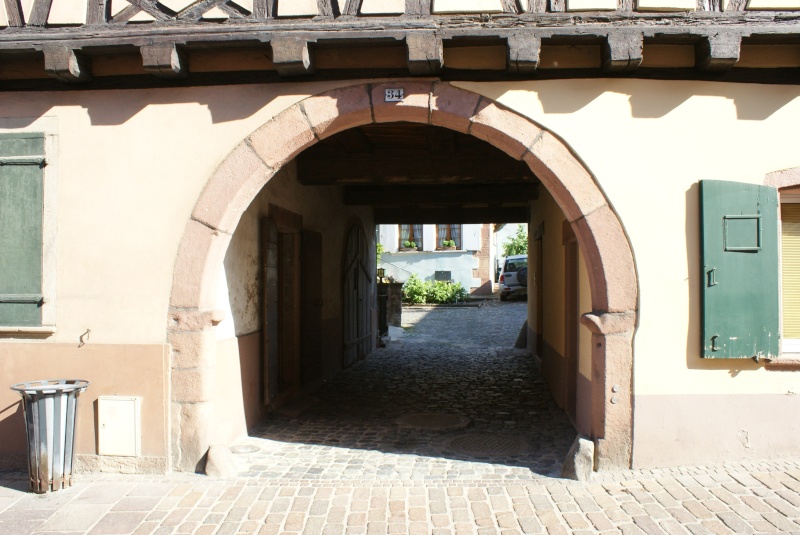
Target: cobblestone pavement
{"x": 343, "y": 466}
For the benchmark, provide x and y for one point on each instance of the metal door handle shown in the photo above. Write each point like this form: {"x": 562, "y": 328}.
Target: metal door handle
{"x": 714, "y": 343}
{"x": 712, "y": 277}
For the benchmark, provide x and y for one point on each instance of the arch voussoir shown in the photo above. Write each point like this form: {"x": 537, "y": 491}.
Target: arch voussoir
{"x": 283, "y": 137}
{"x": 200, "y": 254}
{"x": 570, "y": 183}
{"x": 414, "y": 107}
{"x": 237, "y": 180}
{"x": 504, "y": 129}
{"x": 338, "y": 110}
{"x": 453, "y": 108}
{"x": 609, "y": 261}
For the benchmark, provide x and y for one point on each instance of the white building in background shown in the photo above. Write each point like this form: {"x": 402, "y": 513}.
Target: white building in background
{"x": 470, "y": 261}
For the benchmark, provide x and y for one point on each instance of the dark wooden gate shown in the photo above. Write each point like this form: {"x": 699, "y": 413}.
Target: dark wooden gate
{"x": 356, "y": 297}
{"x": 280, "y": 246}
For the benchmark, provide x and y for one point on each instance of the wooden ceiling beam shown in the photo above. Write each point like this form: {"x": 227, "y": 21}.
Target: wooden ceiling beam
{"x": 165, "y": 60}
{"x": 414, "y": 170}
{"x": 524, "y": 48}
{"x": 291, "y": 57}
{"x": 622, "y": 51}
{"x": 718, "y": 52}
{"x": 425, "y": 53}
{"x": 66, "y": 64}
{"x": 417, "y": 215}
{"x": 452, "y": 195}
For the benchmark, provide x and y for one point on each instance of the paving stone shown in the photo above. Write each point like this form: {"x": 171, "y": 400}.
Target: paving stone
{"x": 118, "y": 523}
{"x": 75, "y": 517}
{"x": 343, "y": 466}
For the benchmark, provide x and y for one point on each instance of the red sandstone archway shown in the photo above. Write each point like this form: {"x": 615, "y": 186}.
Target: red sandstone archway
{"x": 236, "y": 182}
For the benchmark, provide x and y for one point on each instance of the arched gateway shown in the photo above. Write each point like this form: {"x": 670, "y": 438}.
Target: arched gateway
{"x": 236, "y": 182}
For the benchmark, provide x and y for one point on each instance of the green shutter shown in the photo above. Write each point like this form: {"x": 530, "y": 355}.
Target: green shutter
{"x": 21, "y": 176}
{"x": 740, "y": 270}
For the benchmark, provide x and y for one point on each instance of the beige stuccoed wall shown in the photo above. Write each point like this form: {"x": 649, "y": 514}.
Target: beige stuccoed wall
{"x": 132, "y": 164}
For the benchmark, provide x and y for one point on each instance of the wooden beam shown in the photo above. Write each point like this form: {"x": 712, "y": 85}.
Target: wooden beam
{"x": 328, "y": 8}
{"x": 97, "y": 11}
{"x": 417, "y": 215}
{"x": 126, "y": 14}
{"x": 14, "y": 13}
{"x": 418, "y": 7}
{"x": 150, "y": 8}
{"x": 264, "y": 9}
{"x": 622, "y": 51}
{"x": 291, "y": 57}
{"x": 196, "y": 10}
{"x": 510, "y": 6}
{"x": 409, "y": 169}
{"x": 66, "y": 64}
{"x": 735, "y": 5}
{"x": 523, "y": 52}
{"x": 718, "y": 52}
{"x": 352, "y": 7}
{"x": 452, "y": 195}
{"x": 39, "y": 13}
{"x": 165, "y": 60}
{"x": 425, "y": 53}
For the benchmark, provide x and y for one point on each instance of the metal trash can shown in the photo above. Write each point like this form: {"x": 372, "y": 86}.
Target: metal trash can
{"x": 49, "y": 408}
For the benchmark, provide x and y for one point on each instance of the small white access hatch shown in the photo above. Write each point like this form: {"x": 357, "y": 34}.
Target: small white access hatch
{"x": 119, "y": 426}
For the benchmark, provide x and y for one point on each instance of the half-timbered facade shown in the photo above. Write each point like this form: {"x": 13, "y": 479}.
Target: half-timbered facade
{"x": 189, "y": 191}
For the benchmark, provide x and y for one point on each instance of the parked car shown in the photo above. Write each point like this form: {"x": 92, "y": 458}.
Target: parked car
{"x": 514, "y": 277}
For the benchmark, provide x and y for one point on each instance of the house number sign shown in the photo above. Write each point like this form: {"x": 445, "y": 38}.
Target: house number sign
{"x": 394, "y": 95}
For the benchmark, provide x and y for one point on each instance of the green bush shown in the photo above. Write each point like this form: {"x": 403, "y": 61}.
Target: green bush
{"x": 414, "y": 290}
{"x": 516, "y": 244}
{"x": 418, "y": 291}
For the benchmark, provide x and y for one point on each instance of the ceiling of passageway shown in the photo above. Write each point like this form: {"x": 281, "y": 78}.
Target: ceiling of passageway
{"x": 421, "y": 173}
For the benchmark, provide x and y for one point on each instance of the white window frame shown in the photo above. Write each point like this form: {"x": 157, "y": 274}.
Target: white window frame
{"x": 49, "y": 127}
{"x": 788, "y": 345}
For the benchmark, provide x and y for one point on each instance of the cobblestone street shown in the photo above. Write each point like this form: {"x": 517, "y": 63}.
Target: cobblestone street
{"x": 447, "y": 430}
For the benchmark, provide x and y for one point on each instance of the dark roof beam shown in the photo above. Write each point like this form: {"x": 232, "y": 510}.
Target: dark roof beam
{"x": 67, "y": 65}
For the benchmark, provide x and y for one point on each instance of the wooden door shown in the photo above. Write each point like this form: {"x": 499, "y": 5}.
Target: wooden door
{"x": 311, "y": 307}
{"x": 356, "y": 297}
{"x": 280, "y": 252}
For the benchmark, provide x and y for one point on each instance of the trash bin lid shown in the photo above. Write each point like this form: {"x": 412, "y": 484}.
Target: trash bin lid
{"x": 51, "y": 386}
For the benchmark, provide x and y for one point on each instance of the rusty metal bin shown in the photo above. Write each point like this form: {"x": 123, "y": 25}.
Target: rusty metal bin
{"x": 49, "y": 408}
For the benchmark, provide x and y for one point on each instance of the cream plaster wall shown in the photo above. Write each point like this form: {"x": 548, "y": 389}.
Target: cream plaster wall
{"x": 553, "y": 280}
{"x": 131, "y": 167}
{"x": 649, "y": 143}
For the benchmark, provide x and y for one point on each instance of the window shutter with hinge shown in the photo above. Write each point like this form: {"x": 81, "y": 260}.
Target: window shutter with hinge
{"x": 740, "y": 270}
{"x": 21, "y": 189}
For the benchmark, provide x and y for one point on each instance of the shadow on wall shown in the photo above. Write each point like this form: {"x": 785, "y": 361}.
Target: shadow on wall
{"x": 694, "y": 360}
{"x": 651, "y": 99}
{"x": 11, "y": 422}
{"x": 113, "y": 108}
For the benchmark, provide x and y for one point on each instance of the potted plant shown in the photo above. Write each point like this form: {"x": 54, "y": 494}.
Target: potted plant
{"x": 409, "y": 246}
{"x": 449, "y": 245}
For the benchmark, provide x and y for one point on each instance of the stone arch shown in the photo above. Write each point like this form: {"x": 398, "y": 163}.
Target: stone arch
{"x": 239, "y": 178}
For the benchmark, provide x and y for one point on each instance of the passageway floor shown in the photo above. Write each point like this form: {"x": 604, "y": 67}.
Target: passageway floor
{"x": 344, "y": 466}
